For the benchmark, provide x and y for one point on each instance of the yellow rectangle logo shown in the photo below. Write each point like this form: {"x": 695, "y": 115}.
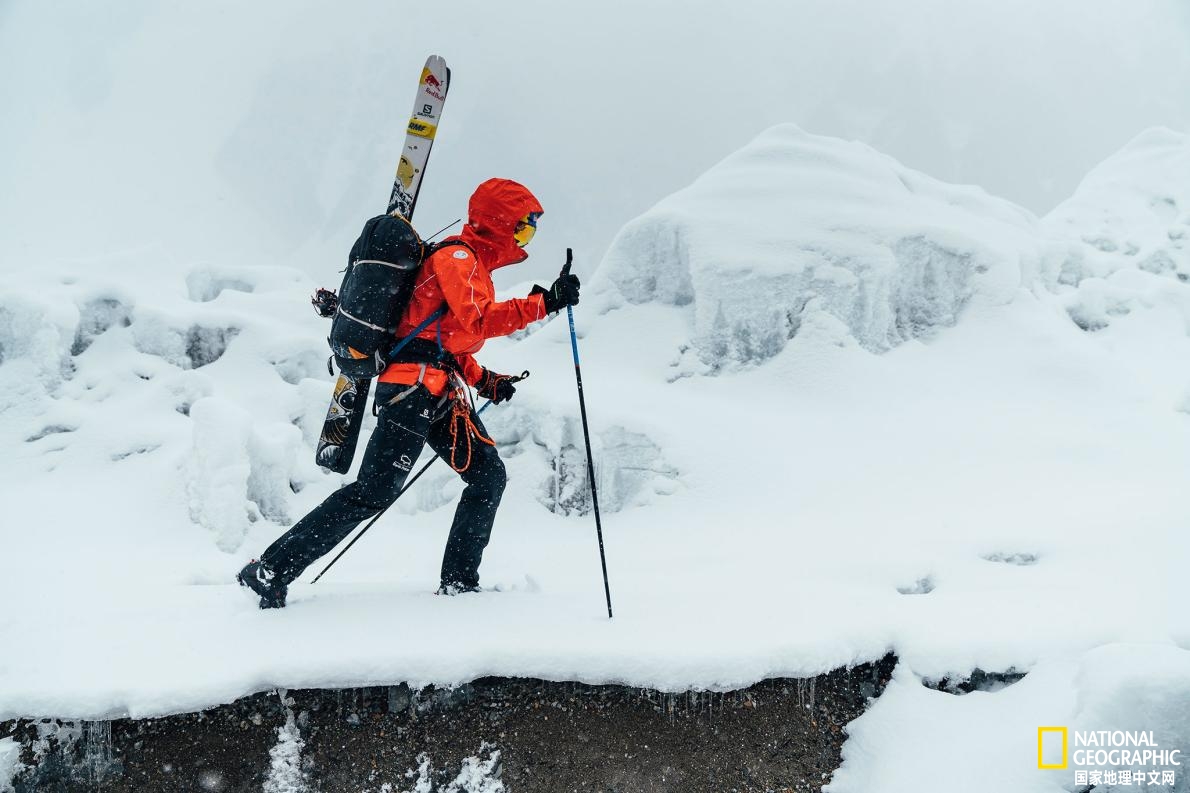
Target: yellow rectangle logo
{"x": 421, "y": 129}
{"x": 1041, "y": 731}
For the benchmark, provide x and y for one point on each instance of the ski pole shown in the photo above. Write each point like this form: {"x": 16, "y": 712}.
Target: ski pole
{"x": 400, "y": 493}
{"x": 582, "y": 406}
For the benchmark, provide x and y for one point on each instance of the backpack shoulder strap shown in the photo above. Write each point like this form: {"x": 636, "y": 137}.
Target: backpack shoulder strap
{"x": 450, "y": 242}
{"x": 400, "y": 345}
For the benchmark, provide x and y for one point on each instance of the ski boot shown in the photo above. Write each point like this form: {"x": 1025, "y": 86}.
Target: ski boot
{"x": 450, "y": 590}
{"x": 264, "y": 582}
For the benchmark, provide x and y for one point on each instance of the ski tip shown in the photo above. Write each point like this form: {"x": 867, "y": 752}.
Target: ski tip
{"x": 437, "y": 73}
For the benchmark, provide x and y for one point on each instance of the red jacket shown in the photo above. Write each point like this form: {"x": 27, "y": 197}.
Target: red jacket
{"x": 462, "y": 279}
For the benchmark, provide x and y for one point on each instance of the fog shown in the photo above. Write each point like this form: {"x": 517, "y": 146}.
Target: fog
{"x": 265, "y": 133}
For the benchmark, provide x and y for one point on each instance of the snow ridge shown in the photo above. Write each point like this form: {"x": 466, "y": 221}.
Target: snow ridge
{"x": 796, "y": 225}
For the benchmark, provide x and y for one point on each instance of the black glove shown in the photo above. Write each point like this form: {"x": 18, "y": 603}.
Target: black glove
{"x": 496, "y": 387}
{"x": 563, "y": 293}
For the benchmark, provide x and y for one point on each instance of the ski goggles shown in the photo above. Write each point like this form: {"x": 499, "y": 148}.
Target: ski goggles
{"x": 526, "y": 227}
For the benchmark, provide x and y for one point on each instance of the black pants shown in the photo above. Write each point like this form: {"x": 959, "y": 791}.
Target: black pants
{"x": 403, "y": 428}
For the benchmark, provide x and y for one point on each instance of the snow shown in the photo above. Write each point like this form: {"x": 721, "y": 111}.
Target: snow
{"x": 478, "y": 776}
{"x": 914, "y": 738}
{"x": 1137, "y": 687}
{"x": 285, "y": 759}
{"x": 988, "y": 740}
{"x": 10, "y": 763}
{"x": 1128, "y": 232}
{"x": 475, "y": 775}
{"x": 1132, "y": 210}
{"x": 839, "y": 408}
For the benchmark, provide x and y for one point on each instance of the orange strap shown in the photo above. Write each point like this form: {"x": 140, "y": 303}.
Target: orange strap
{"x": 409, "y": 373}
{"x": 460, "y": 420}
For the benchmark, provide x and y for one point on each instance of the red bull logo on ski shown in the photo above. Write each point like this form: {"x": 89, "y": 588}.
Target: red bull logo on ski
{"x": 432, "y": 85}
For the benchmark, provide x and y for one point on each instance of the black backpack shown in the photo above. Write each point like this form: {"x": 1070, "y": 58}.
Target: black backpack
{"x": 377, "y": 285}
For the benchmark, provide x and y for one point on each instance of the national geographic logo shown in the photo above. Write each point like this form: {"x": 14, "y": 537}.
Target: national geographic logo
{"x": 1121, "y": 758}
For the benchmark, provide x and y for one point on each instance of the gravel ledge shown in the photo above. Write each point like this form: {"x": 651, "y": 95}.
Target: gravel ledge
{"x": 491, "y": 735}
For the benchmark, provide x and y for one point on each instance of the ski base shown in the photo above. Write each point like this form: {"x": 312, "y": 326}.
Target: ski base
{"x": 344, "y": 418}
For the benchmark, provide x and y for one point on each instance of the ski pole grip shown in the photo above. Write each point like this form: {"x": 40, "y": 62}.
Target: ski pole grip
{"x": 569, "y": 261}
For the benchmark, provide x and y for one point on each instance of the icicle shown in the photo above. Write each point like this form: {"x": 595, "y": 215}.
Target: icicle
{"x": 97, "y": 761}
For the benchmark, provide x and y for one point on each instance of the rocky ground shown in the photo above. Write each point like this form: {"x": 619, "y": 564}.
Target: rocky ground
{"x": 489, "y": 736}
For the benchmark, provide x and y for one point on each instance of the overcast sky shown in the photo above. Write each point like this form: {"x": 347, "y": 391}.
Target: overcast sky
{"x": 260, "y": 133}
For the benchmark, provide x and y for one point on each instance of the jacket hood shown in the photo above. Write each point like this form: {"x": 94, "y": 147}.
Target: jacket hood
{"x": 492, "y": 215}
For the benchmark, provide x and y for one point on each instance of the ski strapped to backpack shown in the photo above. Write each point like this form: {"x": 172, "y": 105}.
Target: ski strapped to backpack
{"x": 344, "y": 417}
{"x": 363, "y": 332}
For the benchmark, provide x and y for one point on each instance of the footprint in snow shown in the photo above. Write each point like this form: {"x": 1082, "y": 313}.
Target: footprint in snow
{"x": 1019, "y": 559}
{"x": 528, "y": 585}
{"x": 922, "y": 586}
{"x": 48, "y": 430}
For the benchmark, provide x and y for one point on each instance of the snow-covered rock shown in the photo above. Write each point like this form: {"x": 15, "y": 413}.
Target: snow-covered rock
{"x": 1125, "y": 233}
{"x": 796, "y": 225}
{"x": 1131, "y": 211}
